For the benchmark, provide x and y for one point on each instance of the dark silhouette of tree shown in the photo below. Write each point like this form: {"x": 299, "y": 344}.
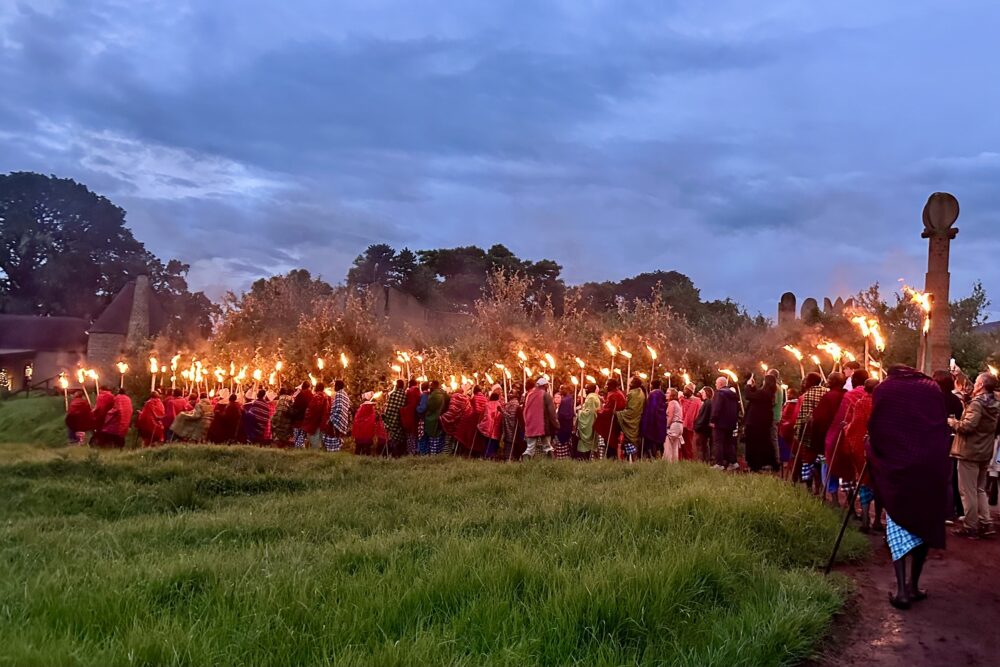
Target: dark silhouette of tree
{"x": 65, "y": 250}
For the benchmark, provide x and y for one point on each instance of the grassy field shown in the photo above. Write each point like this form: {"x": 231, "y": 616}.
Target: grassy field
{"x": 236, "y": 556}
{"x": 38, "y": 419}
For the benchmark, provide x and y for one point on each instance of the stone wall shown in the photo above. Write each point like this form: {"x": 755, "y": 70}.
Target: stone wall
{"x": 104, "y": 350}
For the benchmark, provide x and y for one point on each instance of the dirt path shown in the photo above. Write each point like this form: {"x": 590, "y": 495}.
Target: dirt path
{"x": 959, "y": 624}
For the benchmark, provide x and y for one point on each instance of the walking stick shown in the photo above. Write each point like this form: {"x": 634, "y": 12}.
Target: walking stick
{"x": 848, "y": 511}
{"x": 829, "y": 467}
{"x": 795, "y": 462}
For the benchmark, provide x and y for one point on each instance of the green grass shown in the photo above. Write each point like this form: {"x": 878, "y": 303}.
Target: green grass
{"x": 238, "y": 556}
{"x": 37, "y": 419}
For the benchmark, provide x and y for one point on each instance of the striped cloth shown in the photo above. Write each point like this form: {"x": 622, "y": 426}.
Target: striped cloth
{"x": 300, "y": 438}
{"x": 900, "y": 540}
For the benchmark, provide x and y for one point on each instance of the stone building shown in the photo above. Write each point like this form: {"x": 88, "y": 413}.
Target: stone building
{"x": 36, "y": 349}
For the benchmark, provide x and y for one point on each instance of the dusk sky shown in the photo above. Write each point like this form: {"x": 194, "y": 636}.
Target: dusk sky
{"x": 755, "y": 146}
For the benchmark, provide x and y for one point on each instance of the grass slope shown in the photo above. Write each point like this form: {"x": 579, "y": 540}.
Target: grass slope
{"x": 234, "y": 556}
{"x": 38, "y": 419}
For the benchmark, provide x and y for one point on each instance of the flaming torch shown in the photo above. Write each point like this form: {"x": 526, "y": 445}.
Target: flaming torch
{"x": 627, "y": 355}
{"x": 64, "y": 383}
{"x": 866, "y": 333}
{"x": 343, "y": 360}
{"x": 652, "y": 360}
{"x": 582, "y": 364}
{"x": 173, "y": 371}
{"x": 670, "y": 380}
{"x": 731, "y": 374}
{"x": 524, "y": 369}
{"x": 815, "y": 360}
{"x": 278, "y": 365}
{"x": 924, "y": 301}
{"x": 122, "y": 370}
{"x": 613, "y": 351}
{"x": 794, "y": 351}
{"x": 92, "y": 374}
{"x": 154, "y": 366}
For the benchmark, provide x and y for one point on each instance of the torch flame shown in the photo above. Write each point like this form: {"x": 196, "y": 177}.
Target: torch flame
{"x": 278, "y": 365}
{"x": 611, "y": 347}
{"x": 81, "y": 375}
{"x": 154, "y": 365}
{"x": 377, "y": 395}
{"x": 993, "y": 370}
{"x": 730, "y": 374}
{"x": 591, "y": 379}
{"x": 320, "y": 363}
{"x": 687, "y": 379}
{"x": 652, "y": 352}
{"x": 552, "y": 362}
{"x": 763, "y": 366}
{"x": 522, "y": 356}
{"x": 795, "y": 352}
{"x": 122, "y": 367}
{"x": 627, "y": 355}
{"x": 506, "y": 371}
{"x": 312, "y": 380}
{"x": 606, "y": 372}
{"x": 257, "y": 375}
{"x": 815, "y": 359}
{"x": 574, "y": 381}
{"x": 862, "y": 323}
{"x": 343, "y": 360}
{"x": 272, "y": 379}
{"x": 173, "y": 361}
{"x": 489, "y": 379}
{"x": 580, "y": 363}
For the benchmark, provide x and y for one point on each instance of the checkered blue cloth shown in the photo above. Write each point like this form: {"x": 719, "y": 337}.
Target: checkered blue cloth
{"x": 332, "y": 443}
{"x": 901, "y": 541}
{"x": 866, "y": 494}
{"x": 630, "y": 449}
{"x": 300, "y": 438}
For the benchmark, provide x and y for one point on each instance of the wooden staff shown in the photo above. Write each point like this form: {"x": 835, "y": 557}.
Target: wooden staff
{"x": 848, "y": 511}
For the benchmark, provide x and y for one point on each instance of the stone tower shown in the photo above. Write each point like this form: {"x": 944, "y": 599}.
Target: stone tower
{"x": 940, "y": 213}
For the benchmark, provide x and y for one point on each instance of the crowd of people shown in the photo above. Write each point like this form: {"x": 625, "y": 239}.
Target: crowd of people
{"x": 843, "y": 436}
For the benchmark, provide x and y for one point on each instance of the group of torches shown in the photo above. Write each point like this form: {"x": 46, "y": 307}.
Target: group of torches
{"x": 871, "y": 332}
{"x": 200, "y": 377}
{"x": 545, "y": 364}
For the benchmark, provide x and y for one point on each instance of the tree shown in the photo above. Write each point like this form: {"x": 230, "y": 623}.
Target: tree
{"x": 271, "y": 308}
{"x": 375, "y": 266}
{"x": 65, "y": 250}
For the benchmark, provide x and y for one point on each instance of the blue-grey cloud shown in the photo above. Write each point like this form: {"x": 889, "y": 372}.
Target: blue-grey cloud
{"x": 757, "y": 148}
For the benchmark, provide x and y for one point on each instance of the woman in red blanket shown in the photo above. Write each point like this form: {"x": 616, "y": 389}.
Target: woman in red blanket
{"x": 150, "y": 423}
{"x": 79, "y": 418}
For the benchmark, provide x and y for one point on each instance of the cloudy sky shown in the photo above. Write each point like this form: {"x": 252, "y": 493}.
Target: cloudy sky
{"x": 755, "y": 146}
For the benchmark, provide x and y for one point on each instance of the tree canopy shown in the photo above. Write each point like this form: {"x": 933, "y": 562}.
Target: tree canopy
{"x": 65, "y": 250}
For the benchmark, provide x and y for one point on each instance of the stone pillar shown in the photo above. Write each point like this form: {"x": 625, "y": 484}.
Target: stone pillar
{"x": 786, "y": 309}
{"x": 940, "y": 214}
{"x": 138, "y": 321}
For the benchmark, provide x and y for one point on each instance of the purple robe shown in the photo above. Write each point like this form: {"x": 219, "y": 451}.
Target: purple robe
{"x": 908, "y": 449}
{"x": 654, "y": 418}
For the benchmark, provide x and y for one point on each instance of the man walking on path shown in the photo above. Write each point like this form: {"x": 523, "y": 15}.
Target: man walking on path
{"x": 908, "y": 459}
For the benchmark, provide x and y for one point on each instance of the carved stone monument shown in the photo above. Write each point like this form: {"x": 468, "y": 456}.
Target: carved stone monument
{"x": 940, "y": 213}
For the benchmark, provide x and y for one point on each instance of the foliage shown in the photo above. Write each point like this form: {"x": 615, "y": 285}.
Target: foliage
{"x": 65, "y": 250}
{"x": 269, "y": 311}
{"x": 452, "y": 278}
{"x": 235, "y": 555}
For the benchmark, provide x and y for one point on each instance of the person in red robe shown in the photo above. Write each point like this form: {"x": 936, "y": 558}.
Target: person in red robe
{"x": 317, "y": 414}
{"x": 174, "y": 403}
{"x": 455, "y": 414}
{"x": 226, "y": 419}
{"x": 298, "y": 414}
{"x": 79, "y": 418}
{"x": 468, "y": 427}
{"x": 117, "y": 421}
{"x": 150, "y": 422}
{"x": 102, "y": 404}
{"x": 408, "y": 417}
{"x": 606, "y": 425}
{"x": 822, "y": 425}
{"x": 367, "y": 429}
